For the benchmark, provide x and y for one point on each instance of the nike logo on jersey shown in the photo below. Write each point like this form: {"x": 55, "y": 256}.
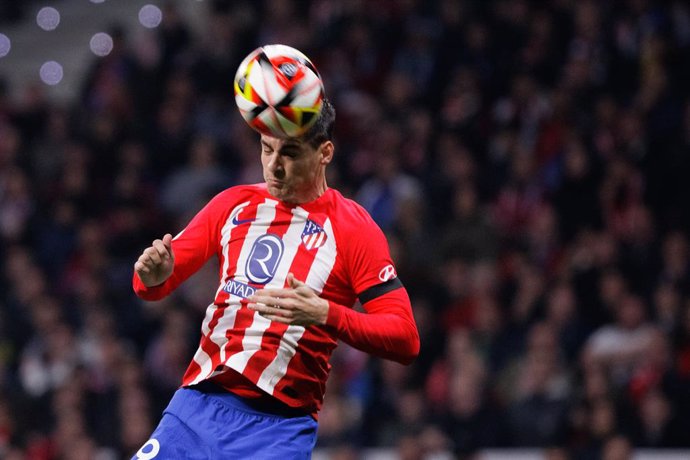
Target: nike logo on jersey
{"x": 236, "y": 221}
{"x": 236, "y": 212}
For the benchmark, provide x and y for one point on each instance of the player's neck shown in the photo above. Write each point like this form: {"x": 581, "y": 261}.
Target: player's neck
{"x": 312, "y": 193}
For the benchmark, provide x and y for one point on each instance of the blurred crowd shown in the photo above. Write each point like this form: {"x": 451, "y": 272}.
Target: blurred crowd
{"x": 528, "y": 160}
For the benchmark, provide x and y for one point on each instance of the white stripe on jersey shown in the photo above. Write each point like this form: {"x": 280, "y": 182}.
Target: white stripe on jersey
{"x": 265, "y": 212}
{"x": 201, "y": 357}
{"x": 278, "y": 367}
{"x": 316, "y": 279}
{"x": 253, "y": 336}
{"x": 227, "y": 320}
{"x": 224, "y": 239}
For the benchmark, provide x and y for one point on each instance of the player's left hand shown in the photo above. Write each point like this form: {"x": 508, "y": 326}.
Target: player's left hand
{"x": 296, "y": 304}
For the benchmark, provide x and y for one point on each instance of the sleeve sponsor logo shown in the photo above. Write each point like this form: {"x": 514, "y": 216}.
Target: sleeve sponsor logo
{"x": 387, "y": 273}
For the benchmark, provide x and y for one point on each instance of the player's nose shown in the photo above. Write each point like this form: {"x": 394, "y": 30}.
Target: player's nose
{"x": 275, "y": 166}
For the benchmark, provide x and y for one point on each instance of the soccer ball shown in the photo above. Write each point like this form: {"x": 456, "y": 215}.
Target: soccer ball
{"x": 278, "y": 91}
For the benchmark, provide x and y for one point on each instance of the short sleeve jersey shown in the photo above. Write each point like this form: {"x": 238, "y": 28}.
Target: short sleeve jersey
{"x": 331, "y": 244}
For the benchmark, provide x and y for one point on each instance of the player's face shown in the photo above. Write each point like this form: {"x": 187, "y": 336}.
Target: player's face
{"x": 294, "y": 171}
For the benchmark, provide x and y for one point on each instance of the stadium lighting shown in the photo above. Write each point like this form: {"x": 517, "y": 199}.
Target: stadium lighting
{"x": 51, "y": 73}
{"x": 150, "y": 16}
{"x": 5, "y": 45}
{"x": 48, "y": 18}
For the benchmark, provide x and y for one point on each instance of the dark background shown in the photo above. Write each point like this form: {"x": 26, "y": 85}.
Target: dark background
{"x": 528, "y": 160}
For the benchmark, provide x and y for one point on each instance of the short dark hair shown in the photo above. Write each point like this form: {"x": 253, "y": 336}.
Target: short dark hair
{"x": 322, "y": 130}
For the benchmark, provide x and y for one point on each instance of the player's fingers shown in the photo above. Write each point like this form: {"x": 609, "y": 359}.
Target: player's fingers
{"x": 298, "y": 286}
{"x": 275, "y": 292}
{"x": 145, "y": 260}
{"x": 167, "y": 241}
{"x": 143, "y": 265}
{"x": 283, "y": 313}
{"x": 265, "y": 309}
{"x": 271, "y": 301}
{"x": 162, "y": 249}
{"x": 294, "y": 282}
{"x": 260, "y": 307}
{"x": 153, "y": 254}
{"x": 139, "y": 267}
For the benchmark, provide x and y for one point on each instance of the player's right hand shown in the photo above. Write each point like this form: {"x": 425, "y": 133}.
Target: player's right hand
{"x": 156, "y": 263}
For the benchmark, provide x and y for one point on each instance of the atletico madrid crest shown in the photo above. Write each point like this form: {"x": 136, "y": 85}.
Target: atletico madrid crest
{"x": 313, "y": 235}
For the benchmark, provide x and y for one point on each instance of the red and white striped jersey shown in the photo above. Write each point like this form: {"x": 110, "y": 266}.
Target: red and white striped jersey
{"x": 331, "y": 244}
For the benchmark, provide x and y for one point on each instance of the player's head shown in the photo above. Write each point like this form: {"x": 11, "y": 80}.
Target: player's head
{"x": 322, "y": 130}
{"x": 295, "y": 168}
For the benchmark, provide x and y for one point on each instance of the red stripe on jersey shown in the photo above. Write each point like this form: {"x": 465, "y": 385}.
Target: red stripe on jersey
{"x": 302, "y": 370}
{"x": 192, "y": 372}
{"x": 228, "y": 266}
{"x": 305, "y": 379}
{"x": 270, "y": 343}
{"x": 245, "y": 317}
{"x": 243, "y": 320}
{"x": 300, "y": 266}
{"x": 208, "y": 346}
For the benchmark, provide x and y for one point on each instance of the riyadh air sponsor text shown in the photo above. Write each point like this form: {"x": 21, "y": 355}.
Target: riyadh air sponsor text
{"x": 239, "y": 289}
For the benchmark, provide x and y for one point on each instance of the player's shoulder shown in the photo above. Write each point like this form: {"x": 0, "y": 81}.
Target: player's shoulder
{"x": 350, "y": 214}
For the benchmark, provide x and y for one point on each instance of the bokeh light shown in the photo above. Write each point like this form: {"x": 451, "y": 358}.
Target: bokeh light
{"x": 48, "y": 18}
{"x": 51, "y": 73}
{"x": 5, "y": 45}
{"x": 97, "y": 1}
{"x": 101, "y": 44}
{"x": 150, "y": 16}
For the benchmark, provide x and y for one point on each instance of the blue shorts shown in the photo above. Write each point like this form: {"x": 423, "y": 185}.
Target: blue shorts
{"x": 201, "y": 425}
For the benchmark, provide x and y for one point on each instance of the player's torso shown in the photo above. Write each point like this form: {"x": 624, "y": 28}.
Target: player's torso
{"x": 259, "y": 242}
{"x": 263, "y": 240}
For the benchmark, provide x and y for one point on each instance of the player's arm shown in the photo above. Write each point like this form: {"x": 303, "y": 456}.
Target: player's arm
{"x": 168, "y": 262}
{"x": 386, "y": 330}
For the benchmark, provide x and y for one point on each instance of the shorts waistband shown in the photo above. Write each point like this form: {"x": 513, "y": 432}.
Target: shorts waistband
{"x": 262, "y": 406}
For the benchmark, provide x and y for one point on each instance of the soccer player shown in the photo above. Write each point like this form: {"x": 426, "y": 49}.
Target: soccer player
{"x": 295, "y": 256}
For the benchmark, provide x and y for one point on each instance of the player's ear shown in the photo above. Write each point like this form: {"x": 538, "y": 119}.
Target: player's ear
{"x": 326, "y": 152}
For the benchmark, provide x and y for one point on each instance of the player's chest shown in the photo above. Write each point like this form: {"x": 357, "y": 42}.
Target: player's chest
{"x": 264, "y": 242}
